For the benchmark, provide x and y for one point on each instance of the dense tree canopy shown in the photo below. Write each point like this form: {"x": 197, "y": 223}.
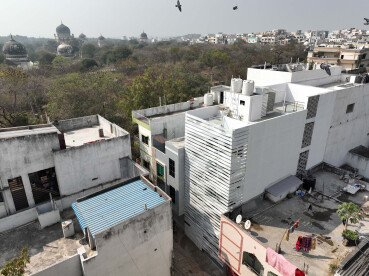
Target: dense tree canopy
{"x": 123, "y": 76}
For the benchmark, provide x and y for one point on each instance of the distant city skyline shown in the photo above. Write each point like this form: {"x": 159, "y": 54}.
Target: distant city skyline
{"x": 117, "y": 18}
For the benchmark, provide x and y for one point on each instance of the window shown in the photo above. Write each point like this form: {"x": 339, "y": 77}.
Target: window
{"x": 253, "y": 263}
{"x": 342, "y": 56}
{"x": 242, "y": 102}
{"x": 145, "y": 139}
{"x": 1, "y": 197}
{"x": 350, "y": 108}
{"x": 172, "y": 194}
{"x": 364, "y": 56}
{"x": 361, "y": 65}
{"x": 172, "y": 170}
{"x": 146, "y": 164}
{"x": 159, "y": 169}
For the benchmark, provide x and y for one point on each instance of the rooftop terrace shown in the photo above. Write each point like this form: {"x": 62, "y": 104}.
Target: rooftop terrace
{"x": 46, "y": 246}
{"x": 270, "y": 221}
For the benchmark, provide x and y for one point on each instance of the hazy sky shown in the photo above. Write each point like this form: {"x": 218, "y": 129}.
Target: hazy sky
{"x": 114, "y": 18}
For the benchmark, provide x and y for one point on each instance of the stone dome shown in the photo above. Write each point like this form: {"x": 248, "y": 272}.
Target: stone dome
{"x": 14, "y": 48}
{"x": 82, "y": 36}
{"x": 143, "y": 35}
{"x": 65, "y": 50}
{"x": 62, "y": 29}
{"x": 101, "y": 38}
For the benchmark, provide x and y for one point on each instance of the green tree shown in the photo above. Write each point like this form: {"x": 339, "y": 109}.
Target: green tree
{"x": 87, "y": 64}
{"x": 17, "y": 266}
{"x": 88, "y": 50}
{"x": 51, "y": 46}
{"x": 61, "y": 63}
{"x": 80, "y": 94}
{"x": 44, "y": 57}
{"x": 349, "y": 212}
{"x": 215, "y": 58}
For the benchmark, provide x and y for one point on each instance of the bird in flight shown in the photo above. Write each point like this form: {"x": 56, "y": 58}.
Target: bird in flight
{"x": 366, "y": 21}
{"x": 235, "y": 8}
{"x": 325, "y": 67}
{"x": 179, "y": 6}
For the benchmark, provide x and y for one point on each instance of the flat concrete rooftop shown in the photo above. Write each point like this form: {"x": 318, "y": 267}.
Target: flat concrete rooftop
{"x": 178, "y": 142}
{"x": 322, "y": 222}
{"x": 46, "y": 246}
{"x": 79, "y": 137}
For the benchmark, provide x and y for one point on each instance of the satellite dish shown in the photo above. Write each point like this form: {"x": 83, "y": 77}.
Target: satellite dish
{"x": 238, "y": 219}
{"x": 247, "y": 224}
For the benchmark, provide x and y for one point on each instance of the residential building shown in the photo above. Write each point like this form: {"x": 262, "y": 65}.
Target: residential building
{"x": 136, "y": 235}
{"x": 336, "y": 106}
{"x": 161, "y": 131}
{"x": 350, "y": 58}
{"x": 61, "y": 161}
{"x": 257, "y": 243}
{"x": 233, "y": 152}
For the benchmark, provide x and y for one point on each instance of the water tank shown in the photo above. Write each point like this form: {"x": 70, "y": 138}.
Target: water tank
{"x": 236, "y": 85}
{"x": 208, "y": 99}
{"x": 248, "y": 87}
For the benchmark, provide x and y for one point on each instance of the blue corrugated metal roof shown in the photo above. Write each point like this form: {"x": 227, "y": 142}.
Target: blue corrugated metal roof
{"x": 107, "y": 209}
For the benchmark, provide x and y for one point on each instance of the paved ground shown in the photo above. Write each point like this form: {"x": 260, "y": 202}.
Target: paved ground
{"x": 189, "y": 260}
{"x": 46, "y": 246}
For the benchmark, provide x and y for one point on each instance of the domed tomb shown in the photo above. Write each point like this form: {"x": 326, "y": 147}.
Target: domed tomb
{"x": 15, "y": 51}
{"x": 65, "y": 50}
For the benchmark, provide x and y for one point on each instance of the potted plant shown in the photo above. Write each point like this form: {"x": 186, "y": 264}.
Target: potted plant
{"x": 351, "y": 237}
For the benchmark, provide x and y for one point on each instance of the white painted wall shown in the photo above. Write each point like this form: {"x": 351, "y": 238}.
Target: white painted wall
{"x": 273, "y": 151}
{"x": 348, "y": 131}
{"x": 76, "y": 167}
{"x": 177, "y": 182}
{"x": 126, "y": 250}
{"x": 268, "y": 77}
{"x": 322, "y": 123}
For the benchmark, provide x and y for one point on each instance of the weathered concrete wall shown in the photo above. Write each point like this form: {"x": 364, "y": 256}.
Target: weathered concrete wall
{"x": 109, "y": 127}
{"x": 18, "y": 219}
{"x": 359, "y": 162}
{"x": 2, "y": 210}
{"x": 20, "y": 156}
{"x": 141, "y": 245}
{"x": 77, "y": 123}
{"x": 71, "y": 267}
{"x": 83, "y": 167}
{"x": 348, "y": 130}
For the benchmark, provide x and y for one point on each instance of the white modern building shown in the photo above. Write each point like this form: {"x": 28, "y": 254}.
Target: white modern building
{"x": 337, "y": 114}
{"x": 234, "y": 151}
{"x": 61, "y": 161}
